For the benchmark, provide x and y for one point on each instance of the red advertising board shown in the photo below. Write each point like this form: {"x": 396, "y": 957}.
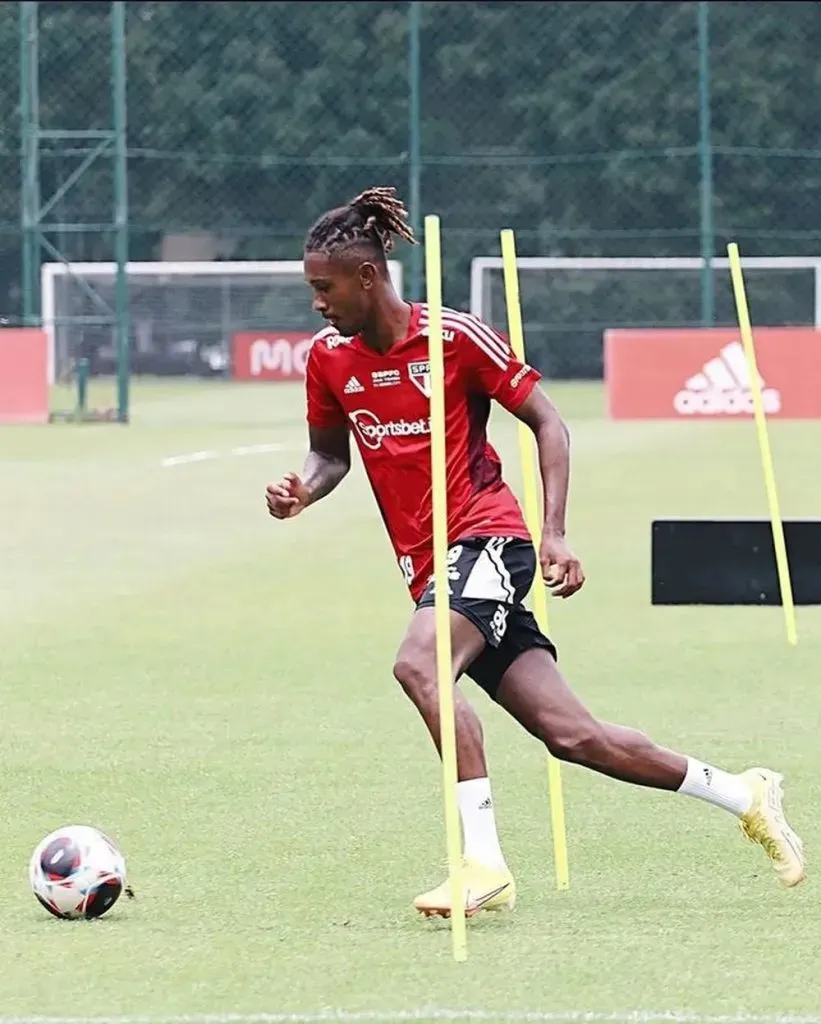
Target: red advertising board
{"x": 270, "y": 355}
{"x": 703, "y": 373}
{"x": 24, "y": 391}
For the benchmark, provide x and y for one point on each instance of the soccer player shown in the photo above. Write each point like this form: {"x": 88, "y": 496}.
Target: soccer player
{"x": 368, "y": 375}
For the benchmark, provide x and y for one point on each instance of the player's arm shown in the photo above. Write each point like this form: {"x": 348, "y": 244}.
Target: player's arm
{"x": 499, "y": 374}
{"x": 328, "y": 461}
{"x": 560, "y": 567}
{"x": 553, "y": 445}
{"x": 329, "y": 450}
{"x": 326, "y": 465}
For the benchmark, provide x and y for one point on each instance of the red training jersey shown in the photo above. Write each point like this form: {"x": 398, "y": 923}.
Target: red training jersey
{"x": 385, "y": 400}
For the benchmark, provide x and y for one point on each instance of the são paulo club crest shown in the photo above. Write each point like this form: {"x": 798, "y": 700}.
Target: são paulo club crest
{"x": 419, "y": 373}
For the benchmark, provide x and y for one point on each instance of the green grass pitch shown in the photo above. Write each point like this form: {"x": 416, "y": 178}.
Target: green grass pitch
{"x": 214, "y": 689}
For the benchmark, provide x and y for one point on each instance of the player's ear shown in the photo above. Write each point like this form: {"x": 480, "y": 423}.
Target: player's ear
{"x": 367, "y": 275}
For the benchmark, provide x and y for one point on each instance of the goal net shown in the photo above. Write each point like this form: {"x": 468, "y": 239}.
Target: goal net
{"x": 182, "y": 316}
{"x": 568, "y": 302}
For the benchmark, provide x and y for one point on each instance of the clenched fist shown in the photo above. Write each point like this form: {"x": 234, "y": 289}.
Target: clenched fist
{"x": 287, "y": 498}
{"x": 561, "y": 570}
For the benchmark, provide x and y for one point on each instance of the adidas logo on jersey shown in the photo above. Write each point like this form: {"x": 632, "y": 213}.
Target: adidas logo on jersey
{"x": 353, "y": 387}
{"x": 723, "y": 386}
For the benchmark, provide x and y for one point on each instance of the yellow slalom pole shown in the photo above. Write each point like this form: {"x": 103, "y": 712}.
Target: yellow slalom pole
{"x": 532, "y": 518}
{"x": 776, "y": 522}
{"x": 433, "y": 278}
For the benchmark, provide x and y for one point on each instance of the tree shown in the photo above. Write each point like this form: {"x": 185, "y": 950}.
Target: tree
{"x": 575, "y": 123}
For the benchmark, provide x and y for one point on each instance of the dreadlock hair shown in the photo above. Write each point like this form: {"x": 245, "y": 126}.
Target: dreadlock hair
{"x": 372, "y": 218}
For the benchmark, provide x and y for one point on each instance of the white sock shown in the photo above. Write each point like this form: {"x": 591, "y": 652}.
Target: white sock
{"x": 479, "y": 823}
{"x": 716, "y": 787}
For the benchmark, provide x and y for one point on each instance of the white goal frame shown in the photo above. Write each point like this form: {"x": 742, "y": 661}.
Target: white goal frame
{"x": 49, "y": 272}
{"x": 480, "y": 264}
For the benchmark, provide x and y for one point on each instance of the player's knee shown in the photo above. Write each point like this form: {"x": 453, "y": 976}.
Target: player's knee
{"x": 578, "y": 742}
{"x": 416, "y": 674}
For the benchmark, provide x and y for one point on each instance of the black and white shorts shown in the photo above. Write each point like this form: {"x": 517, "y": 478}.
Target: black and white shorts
{"x": 489, "y": 578}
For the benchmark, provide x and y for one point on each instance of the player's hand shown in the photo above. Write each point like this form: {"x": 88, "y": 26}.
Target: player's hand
{"x": 287, "y": 498}
{"x": 561, "y": 570}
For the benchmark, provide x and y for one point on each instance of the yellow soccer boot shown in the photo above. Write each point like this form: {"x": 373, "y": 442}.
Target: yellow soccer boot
{"x": 766, "y": 825}
{"x": 485, "y": 889}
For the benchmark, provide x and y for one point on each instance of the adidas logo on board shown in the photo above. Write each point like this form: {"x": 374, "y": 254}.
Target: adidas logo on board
{"x": 723, "y": 386}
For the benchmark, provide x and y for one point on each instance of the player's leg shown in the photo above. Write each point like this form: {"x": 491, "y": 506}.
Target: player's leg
{"x": 534, "y": 692}
{"x": 488, "y": 881}
{"x": 415, "y": 670}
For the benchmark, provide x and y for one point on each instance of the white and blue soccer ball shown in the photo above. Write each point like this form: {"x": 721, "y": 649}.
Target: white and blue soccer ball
{"x": 77, "y": 872}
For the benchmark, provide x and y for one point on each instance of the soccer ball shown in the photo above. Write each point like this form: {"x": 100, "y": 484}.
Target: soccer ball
{"x": 77, "y": 872}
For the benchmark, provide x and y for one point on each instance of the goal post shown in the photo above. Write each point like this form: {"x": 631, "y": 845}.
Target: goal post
{"x": 182, "y": 315}
{"x": 568, "y": 302}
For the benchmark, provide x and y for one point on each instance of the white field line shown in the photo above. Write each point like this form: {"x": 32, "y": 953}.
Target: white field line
{"x": 439, "y": 1014}
{"x": 596, "y": 438}
{"x": 183, "y": 460}
{"x": 259, "y": 449}
{"x": 170, "y": 461}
